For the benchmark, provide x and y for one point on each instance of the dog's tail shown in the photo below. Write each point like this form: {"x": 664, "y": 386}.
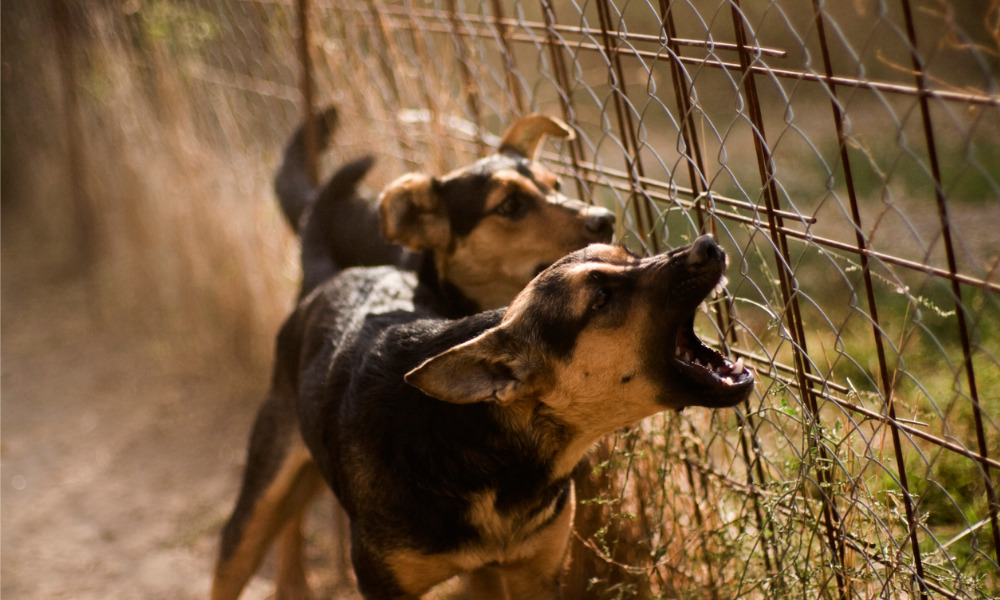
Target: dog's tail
{"x": 320, "y": 233}
{"x": 296, "y": 192}
{"x": 338, "y": 227}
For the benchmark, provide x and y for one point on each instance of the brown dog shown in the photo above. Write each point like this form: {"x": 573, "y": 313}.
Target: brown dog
{"x": 476, "y": 236}
{"x": 468, "y": 468}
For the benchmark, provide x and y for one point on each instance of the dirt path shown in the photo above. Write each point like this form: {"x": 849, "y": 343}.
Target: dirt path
{"x": 120, "y": 459}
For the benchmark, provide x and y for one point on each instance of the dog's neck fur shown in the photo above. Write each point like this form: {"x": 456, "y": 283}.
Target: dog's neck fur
{"x": 562, "y": 443}
{"x": 535, "y": 503}
{"x": 442, "y": 296}
{"x": 491, "y": 291}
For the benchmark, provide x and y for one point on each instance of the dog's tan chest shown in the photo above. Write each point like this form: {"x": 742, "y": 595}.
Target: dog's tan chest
{"x": 507, "y": 542}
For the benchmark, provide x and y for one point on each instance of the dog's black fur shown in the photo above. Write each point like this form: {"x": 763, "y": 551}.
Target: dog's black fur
{"x": 338, "y": 226}
{"x": 451, "y": 442}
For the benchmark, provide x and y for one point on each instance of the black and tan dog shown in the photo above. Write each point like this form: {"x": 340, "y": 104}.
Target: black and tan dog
{"x": 451, "y": 443}
{"x": 476, "y": 236}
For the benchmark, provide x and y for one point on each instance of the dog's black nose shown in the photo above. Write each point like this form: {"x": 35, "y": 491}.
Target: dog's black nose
{"x": 705, "y": 250}
{"x": 600, "y": 222}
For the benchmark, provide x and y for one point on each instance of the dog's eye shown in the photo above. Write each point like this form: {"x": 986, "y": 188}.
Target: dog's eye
{"x": 557, "y": 186}
{"x": 601, "y": 298}
{"x": 510, "y": 206}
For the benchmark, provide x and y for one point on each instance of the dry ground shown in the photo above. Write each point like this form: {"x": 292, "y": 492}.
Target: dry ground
{"x": 121, "y": 451}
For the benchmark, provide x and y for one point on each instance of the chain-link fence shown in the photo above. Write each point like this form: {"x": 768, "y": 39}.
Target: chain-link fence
{"x": 846, "y": 154}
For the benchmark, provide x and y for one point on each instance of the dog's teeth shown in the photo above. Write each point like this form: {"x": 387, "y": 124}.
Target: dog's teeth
{"x": 738, "y": 367}
{"x": 686, "y": 357}
{"x": 720, "y": 287}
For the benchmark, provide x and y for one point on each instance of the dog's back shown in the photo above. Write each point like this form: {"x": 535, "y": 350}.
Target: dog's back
{"x": 381, "y": 332}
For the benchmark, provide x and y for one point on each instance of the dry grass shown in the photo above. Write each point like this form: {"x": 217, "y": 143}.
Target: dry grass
{"x": 187, "y": 240}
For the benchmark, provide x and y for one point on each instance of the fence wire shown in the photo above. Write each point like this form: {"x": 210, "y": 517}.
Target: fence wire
{"x": 847, "y": 156}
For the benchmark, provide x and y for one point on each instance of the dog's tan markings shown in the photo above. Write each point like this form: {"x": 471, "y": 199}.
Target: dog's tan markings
{"x": 531, "y": 572}
{"x": 517, "y": 307}
{"x": 532, "y": 577}
{"x": 411, "y": 214}
{"x": 296, "y": 483}
{"x": 500, "y": 257}
{"x": 496, "y": 261}
{"x": 615, "y": 255}
{"x": 416, "y": 573}
{"x": 504, "y": 250}
{"x": 576, "y": 278}
{"x": 483, "y": 516}
{"x": 500, "y": 530}
{"x": 290, "y": 573}
{"x": 527, "y": 566}
{"x": 505, "y": 364}
{"x": 598, "y": 391}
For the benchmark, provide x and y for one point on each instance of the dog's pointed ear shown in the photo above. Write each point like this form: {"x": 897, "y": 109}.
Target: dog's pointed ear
{"x": 525, "y": 136}
{"x": 412, "y": 213}
{"x": 489, "y": 368}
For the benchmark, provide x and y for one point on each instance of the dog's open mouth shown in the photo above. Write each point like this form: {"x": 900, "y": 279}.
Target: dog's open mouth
{"x": 705, "y": 364}
{"x": 729, "y": 381}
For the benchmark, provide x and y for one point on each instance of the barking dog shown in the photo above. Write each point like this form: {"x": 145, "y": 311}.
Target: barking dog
{"x": 451, "y": 443}
{"x": 476, "y": 236}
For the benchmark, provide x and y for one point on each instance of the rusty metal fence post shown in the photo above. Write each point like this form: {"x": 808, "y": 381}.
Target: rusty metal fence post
{"x": 789, "y": 291}
{"x": 960, "y": 316}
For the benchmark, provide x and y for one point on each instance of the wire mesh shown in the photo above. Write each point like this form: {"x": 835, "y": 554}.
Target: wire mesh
{"x": 845, "y": 154}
